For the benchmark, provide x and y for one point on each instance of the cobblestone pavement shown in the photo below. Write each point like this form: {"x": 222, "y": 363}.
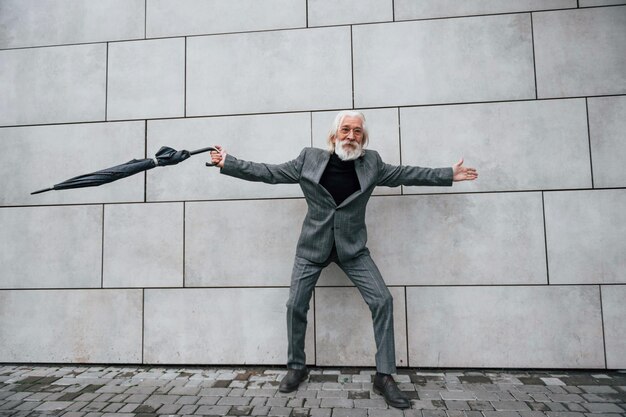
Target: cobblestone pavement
{"x": 121, "y": 391}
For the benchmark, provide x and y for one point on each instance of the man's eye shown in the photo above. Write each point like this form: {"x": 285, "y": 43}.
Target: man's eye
{"x": 345, "y": 130}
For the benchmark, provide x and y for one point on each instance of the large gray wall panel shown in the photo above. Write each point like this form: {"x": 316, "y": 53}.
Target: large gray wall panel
{"x": 269, "y": 72}
{"x": 344, "y": 330}
{"x": 580, "y": 52}
{"x": 487, "y": 58}
{"x": 241, "y": 243}
{"x": 424, "y": 9}
{"x": 36, "y": 23}
{"x": 266, "y": 138}
{"x": 51, "y": 154}
{"x": 52, "y": 85}
{"x": 458, "y": 239}
{"x": 199, "y": 17}
{"x": 50, "y": 247}
{"x": 146, "y": 79}
{"x": 189, "y": 326}
{"x": 537, "y": 327}
{"x": 98, "y": 326}
{"x": 530, "y": 145}
{"x": 143, "y": 245}
{"x": 591, "y": 3}
{"x": 382, "y": 126}
{"x": 607, "y": 127}
{"x": 613, "y": 297}
{"x": 339, "y": 12}
{"x": 585, "y": 236}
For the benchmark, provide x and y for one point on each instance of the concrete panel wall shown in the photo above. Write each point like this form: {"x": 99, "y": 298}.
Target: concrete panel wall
{"x": 580, "y": 52}
{"x": 334, "y": 12}
{"x": 185, "y": 265}
{"x": 50, "y": 247}
{"x": 487, "y": 59}
{"x": 269, "y": 72}
{"x": 561, "y": 327}
{"x": 232, "y": 258}
{"x": 146, "y": 79}
{"x": 547, "y": 141}
{"x": 52, "y": 85}
{"x": 38, "y": 157}
{"x": 459, "y": 240}
{"x": 585, "y": 236}
{"x": 35, "y": 23}
{"x": 613, "y": 297}
{"x": 200, "y": 17}
{"x": 190, "y": 327}
{"x": 100, "y": 326}
{"x": 607, "y": 124}
{"x": 143, "y": 245}
{"x": 409, "y": 9}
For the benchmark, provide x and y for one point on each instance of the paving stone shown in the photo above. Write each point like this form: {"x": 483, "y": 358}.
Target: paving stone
{"x": 598, "y": 389}
{"x": 457, "y": 405}
{"x": 187, "y": 409}
{"x": 332, "y": 394}
{"x": 457, "y": 395}
{"x": 234, "y": 401}
{"x": 260, "y": 410}
{"x": 208, "y": 400}
{"x": 320, "y": 412}
{"x": 603, "y": 408}
{"x": 169, "y": 408}
{"x": 501, "y": 414}
{"x": 349, "y": 412}
{"x": 391, "y": 412}
{"x": 279, "y": 411}
{"x": 53, "y": 405}
{"x": 531, "y": 414}
{"x": 510, "y": 406}
{"x": 370, "y": 403}
{"x": 259, "y": 393}
{"x": 218, "y": 410}
{"x": 434, "y": 413}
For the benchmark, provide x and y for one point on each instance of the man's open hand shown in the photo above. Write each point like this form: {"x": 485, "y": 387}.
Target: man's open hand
{"x": 217, "y": 158}
{"x": 461, "y": 173}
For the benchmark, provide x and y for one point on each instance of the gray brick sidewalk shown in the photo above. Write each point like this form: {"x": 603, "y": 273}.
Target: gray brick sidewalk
{"x": 120, "y": 391}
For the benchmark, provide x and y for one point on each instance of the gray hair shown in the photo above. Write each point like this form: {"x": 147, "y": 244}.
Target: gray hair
{"x": 337, "y": 124}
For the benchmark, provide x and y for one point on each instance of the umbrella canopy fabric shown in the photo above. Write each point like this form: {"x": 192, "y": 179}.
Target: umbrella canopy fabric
{"x": 165, "y": 156}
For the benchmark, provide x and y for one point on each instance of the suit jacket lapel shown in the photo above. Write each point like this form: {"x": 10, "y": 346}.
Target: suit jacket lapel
{"x": 320, "y": 166}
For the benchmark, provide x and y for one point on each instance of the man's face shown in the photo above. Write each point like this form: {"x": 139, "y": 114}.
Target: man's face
{"x": 349, "y": 138}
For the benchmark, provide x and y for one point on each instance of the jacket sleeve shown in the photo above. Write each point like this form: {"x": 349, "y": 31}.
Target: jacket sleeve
{"x": 395, "y": 175}
{"x": 285, "y": 173}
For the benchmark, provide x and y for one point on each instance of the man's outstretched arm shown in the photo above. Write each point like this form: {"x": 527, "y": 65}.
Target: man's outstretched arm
{"x": 393, "y": 176}
{"x": 286, "y": 173}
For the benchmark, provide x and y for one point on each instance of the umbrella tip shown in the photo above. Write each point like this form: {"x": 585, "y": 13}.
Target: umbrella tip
{"x": 41, "y": 191}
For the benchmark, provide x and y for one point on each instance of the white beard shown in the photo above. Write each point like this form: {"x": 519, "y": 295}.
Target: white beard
{"x": 350, "y": 152}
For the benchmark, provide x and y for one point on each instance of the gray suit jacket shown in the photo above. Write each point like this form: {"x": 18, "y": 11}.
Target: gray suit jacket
{"x": 325, "y": 222}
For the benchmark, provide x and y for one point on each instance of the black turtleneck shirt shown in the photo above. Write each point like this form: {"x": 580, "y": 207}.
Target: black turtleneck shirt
{"x": 340, "y": 179}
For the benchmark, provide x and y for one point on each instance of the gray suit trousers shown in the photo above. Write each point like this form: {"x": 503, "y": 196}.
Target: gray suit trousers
{"x": 363, "y": 272}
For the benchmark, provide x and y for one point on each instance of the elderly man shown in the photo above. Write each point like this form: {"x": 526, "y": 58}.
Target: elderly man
{"x": 337, "y": 184}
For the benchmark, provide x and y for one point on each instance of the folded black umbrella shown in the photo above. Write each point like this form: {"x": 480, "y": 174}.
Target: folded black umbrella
{"x": 165, "y": 156}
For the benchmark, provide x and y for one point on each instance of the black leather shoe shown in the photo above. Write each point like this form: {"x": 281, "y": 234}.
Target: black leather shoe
{"x": 292, "y": 380}
{"x": 385, "y": 385}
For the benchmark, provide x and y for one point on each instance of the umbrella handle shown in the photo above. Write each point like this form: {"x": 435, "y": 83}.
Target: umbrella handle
{"x": 197, "y": 151}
